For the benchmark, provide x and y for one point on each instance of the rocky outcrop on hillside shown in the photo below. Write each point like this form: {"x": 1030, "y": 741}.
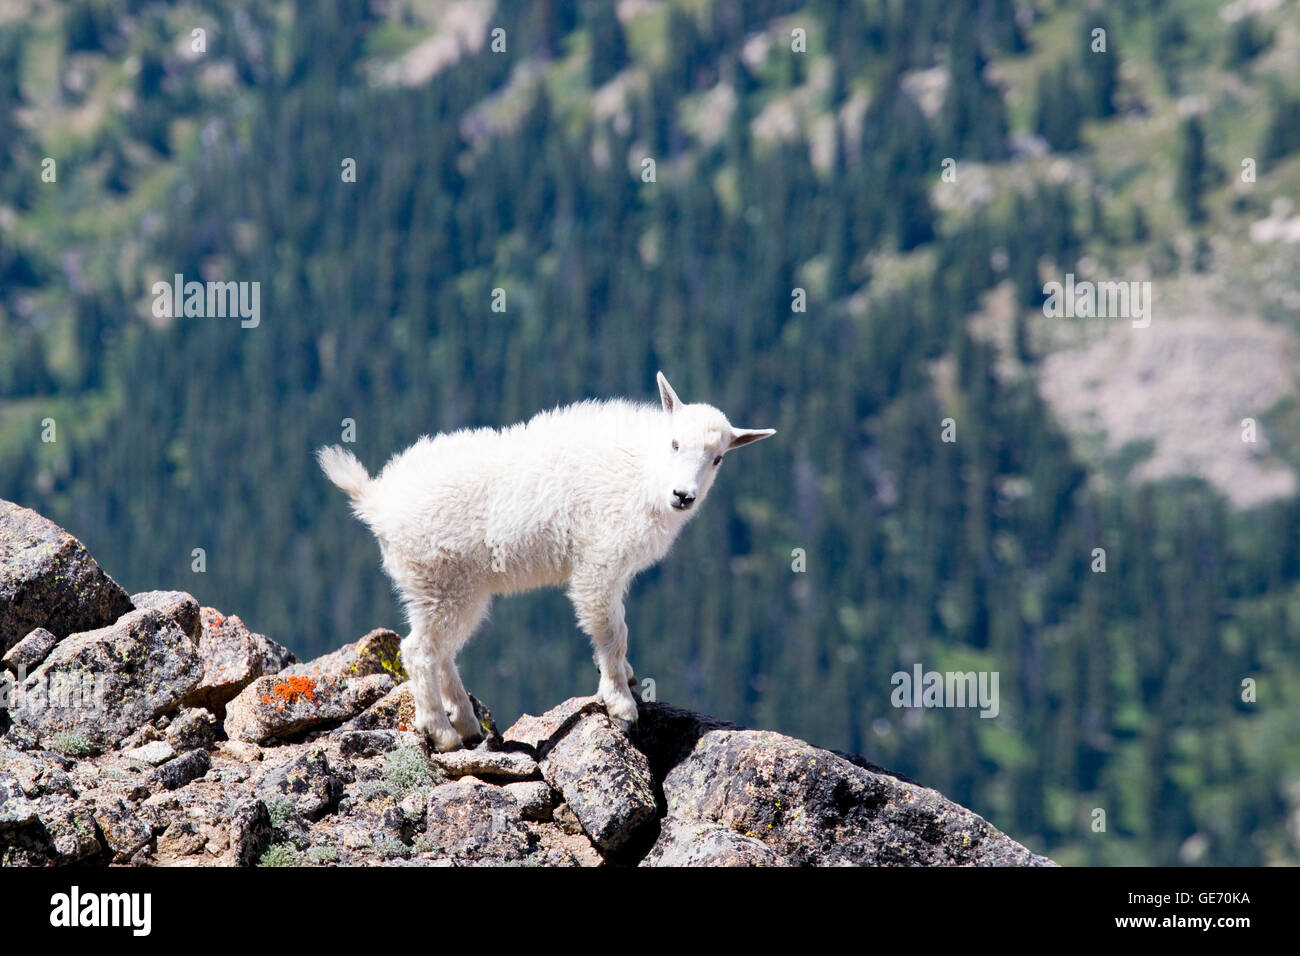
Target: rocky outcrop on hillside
{"x": 147, "y": 730}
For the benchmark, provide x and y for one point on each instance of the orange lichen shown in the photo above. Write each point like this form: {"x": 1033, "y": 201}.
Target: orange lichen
{"x": 290, "y": 691}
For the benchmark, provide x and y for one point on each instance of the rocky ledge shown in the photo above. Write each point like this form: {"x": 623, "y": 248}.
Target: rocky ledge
{"x": 146, "y": 730}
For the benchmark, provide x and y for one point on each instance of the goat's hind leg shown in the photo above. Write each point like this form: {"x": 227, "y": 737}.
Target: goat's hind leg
{"x": 450, "y": 621}
{"x": 456, "y": 630}
{"x": 423, "y": 666}
{"x": 456, "y": 702}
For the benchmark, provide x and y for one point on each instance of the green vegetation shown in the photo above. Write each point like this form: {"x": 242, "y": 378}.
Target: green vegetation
{"x": 323, "y": 854}
{"x": 281, "y": 812}
{"x": 73, "y": 743}
{"x": 392, "y": 849}
{"x": 281, "y": 854}
{"x": 406, "y": 769}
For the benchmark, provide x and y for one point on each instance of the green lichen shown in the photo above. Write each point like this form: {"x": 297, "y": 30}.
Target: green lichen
{"x": 392, "y": 666}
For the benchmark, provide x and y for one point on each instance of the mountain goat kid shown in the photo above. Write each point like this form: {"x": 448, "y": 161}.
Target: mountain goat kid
{"x": 587, "y": 496}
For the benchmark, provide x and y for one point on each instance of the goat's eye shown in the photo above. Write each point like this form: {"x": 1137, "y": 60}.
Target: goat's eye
{"x": 674, "y": 444}
{"x": 717, "y": 461}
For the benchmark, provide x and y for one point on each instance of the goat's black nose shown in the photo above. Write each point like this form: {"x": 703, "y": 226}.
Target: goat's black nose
{"x": 684, "y": 498}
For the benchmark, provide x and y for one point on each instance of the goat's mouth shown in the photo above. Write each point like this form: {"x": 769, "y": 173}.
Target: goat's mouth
{"x": 679, "y": 505}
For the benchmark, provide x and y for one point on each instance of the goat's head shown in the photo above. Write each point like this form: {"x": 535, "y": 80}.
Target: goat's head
{"x": 700, "y": 437}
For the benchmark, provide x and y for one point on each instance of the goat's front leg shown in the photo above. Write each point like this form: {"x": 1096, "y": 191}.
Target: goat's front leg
{"x": 600, "y": 615}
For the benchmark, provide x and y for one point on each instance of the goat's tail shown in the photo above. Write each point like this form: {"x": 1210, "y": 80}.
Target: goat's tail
{"x": 343, "y": 468}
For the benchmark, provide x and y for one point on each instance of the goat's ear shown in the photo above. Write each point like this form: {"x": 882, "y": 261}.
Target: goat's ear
{"x": 744, "y": 436}
{"x": 666, "y": 394}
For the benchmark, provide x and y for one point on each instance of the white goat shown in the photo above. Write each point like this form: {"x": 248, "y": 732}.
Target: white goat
{"x": 587, "y": 496}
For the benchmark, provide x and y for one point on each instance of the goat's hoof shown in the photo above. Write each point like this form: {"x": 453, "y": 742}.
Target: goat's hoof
{"x": 622, "y": 712}
{"x": 466, "y": 725}
{"x": 444, "y": 741}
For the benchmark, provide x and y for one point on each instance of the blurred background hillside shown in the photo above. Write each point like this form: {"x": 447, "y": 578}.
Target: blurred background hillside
{"x": 1173, "y": 156}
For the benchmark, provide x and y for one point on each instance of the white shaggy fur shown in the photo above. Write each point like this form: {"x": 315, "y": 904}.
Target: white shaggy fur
{"x": 586, "y": 496}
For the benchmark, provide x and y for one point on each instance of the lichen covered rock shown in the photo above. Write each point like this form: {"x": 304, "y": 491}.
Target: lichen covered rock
{"x": 811, "y": 807}
{"x": 24, "y": 656}
{"x": 307, "y": 785}
{"x": 280, "y": 707}
{"x": 379, "y": 652}
{"x": 180, "y": 606}
{"x": 603, "y": 777}
{"x": 475, "y": 823}
{"x": 48, "y": 579}
{"x": 233, "y": 657}
{"x": 707, "y": 844}
{"x": 100, "y": 686}
{"x": 481, "y": 762}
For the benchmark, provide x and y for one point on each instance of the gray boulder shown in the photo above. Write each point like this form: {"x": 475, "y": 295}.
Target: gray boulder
{"x": 812, "y": 807}
{"x": 475, "y": 823}
{"x": 154, "y": 753}
{"x": 15, "y": 809}
{"x": 251, "y": 832}
{"x": 536, "y": 799}
{"x": 71, "y": 831}
{"x": 604, "y": 779}
{"x": 191, "y": 729}
{"x": 48, "y": 579}
{"x": 178, "y": 772}
{"x": 538, "y": 733}
{"x": 394, "y": 711}
{"x": 707, "y": 844}
{"x": 480, "y": 762}
{"x": 178, "y": 605}
{"x": 124, "y": 830}
{"x": 102, "y": 685}
{"x": 233, "y": 657}
{"x": 24, "y": 656}
{"x": 307, "y": 785}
